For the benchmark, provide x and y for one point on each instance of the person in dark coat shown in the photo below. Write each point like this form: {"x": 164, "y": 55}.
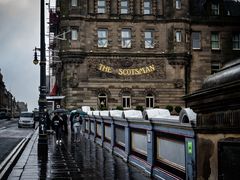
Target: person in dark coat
{"x": 65, "y": 124}
{"x": 57, "y": 123}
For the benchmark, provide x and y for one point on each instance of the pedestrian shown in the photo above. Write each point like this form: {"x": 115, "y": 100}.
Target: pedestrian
{"x": 57, "y": 122}
{"x": 65, "y": 124}
{"x": 76, "y": 127}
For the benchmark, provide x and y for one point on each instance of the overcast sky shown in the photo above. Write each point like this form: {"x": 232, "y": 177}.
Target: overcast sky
{"x": 19, "y": 34}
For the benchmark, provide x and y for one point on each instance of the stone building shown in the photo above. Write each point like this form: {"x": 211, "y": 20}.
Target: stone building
{"x": 145, "y": 53}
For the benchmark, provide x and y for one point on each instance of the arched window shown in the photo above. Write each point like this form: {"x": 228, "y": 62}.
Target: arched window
{"x": 102, "y": 100}
{"x": 149, "y": 101}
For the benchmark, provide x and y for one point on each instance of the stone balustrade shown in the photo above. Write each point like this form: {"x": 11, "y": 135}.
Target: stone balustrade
{"x": 162, "y": 145}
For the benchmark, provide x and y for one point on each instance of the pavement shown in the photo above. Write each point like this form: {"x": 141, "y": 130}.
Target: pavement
{"x": 81, "y": 160}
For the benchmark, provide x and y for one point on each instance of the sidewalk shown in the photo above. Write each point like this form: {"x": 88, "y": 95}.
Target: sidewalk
{"x": 83, "y": 160}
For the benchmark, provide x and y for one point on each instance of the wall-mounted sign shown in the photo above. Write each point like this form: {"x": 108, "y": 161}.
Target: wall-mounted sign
{"x": 128, "y": 71}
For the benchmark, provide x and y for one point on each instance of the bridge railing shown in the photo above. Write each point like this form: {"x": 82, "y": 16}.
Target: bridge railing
{"x": 163, "y": 146}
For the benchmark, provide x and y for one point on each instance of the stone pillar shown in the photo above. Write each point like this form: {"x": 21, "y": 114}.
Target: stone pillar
{"x": 127, "y": 141}
{"x": 91, "y": 7}
{"x": 114, "y": 7}
{"x": 103, "y": 132}
{"x": 150, "y": 149}
{"x": 112, "y": 135}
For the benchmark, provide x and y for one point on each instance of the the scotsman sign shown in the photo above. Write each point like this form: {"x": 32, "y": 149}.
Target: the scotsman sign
{"x": 127, "y": 71}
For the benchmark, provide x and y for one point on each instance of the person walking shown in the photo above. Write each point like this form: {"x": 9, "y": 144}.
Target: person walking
{"x": 58, "y": 127}
{"x": 76, "y": 127}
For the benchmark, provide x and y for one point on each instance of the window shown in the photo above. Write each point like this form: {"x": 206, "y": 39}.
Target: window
{"x": 102, "y": 100}
{"x": 215, "y": 66}
{"x": 178, "y": 36}
{"x": 215, "y": 9}
{"x": 149, "y": 101}
{"x": 126, "y": 100}
{"x": 178, "y": 4}
{"x": 196, "y": 40}
{"x": 124, "y": 7}
{"x": 74, "y": 35}
{"x": 126, "y": 38}
{"x": 102, "y": 38}
{"x": 101, "y": 6}
{"x": 215, "y": 44}
{"x": 147, "y": 7}
{"x": 74, "y": 3}
{"x": 236, "y": 41}
{"x": 148, "y": 39}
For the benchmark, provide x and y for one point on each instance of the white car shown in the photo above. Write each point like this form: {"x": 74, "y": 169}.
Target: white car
{"x": 26, "y": 120}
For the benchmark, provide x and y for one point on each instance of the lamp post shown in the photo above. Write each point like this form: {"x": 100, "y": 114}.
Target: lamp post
{"x": 42, "y": 140}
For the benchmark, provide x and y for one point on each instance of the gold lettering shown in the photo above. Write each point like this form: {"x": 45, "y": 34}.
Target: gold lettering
{"x": 104, "y": 68}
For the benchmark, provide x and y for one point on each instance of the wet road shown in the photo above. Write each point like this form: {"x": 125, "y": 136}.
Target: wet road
{"x": 10, "y": 136}
{"x": 83, "y": 160}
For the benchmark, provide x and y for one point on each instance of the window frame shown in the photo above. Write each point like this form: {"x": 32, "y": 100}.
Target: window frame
{"x": 236, "y": 41}
{"x": 147, "y": 10}
{"x": 101, "y": 9}
{"x": 178, "y": 4}
{"x": 149, "y": 41}
{"x": 215, "y": 41}
{"x": 103, "y": 38}
{"x": 122, "y": 7}
{"x": 102, "y": 97}
{"x": 149, "y": 100}
{"x": 126, "y": 100}
{"x": 178, "y": 36}
{"x": 215, "y": 9}
{"x": 194, "y": 40}
{"x": 127, "y": 38}
{"x": 74, "y": 3}
{"x": 74, "y": 34}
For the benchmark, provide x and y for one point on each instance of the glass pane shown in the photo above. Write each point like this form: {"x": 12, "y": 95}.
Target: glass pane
{"x": 148, "y": 34}
{"x": 125, "y": 34}
{"x": 101, "y": 3}
{"x": 102, "y": 33}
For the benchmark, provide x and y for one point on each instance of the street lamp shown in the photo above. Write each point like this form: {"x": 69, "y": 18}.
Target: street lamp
{"x": 42, "y": 102}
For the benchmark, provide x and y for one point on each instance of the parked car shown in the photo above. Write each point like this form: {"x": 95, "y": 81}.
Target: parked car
{"x": 26, "y": 120}
{"x": 4, "y": 115}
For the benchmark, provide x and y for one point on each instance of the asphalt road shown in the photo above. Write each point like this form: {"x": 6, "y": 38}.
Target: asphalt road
{"x": 10, "y": 136}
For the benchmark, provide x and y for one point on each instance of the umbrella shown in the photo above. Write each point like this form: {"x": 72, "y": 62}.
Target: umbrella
{"x": 60, "y": 110}
{"x": 75, "y": 111}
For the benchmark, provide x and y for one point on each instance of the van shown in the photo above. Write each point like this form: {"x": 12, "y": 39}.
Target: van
{"x": 26, "y": 120}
